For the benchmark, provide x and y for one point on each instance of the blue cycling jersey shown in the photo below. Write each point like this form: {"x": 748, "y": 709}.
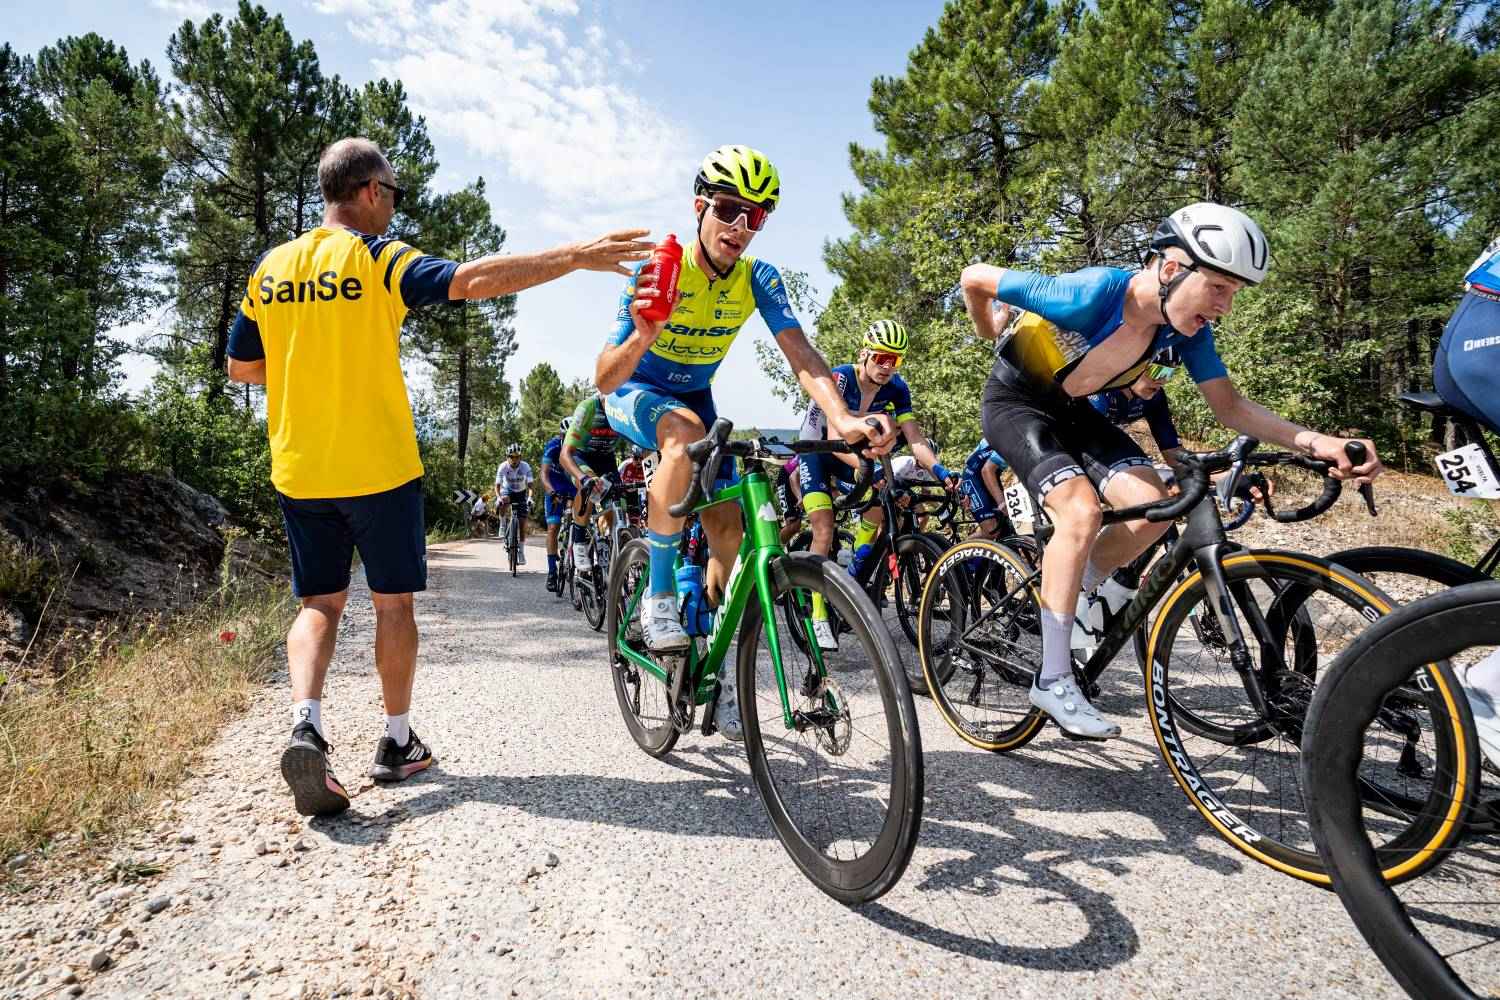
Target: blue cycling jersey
{"x": 1122, "y": 407}
{"x": 981, "y": 454}
{"x": 708, "y": 317}
{"x": 1081, "y": 309}
{"x": 554, "y": 477}
{"x": 892, "y": 399}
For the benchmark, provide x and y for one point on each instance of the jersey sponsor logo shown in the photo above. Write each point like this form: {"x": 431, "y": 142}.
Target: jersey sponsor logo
{"x": 682, "y": 329}
{"x": 1480, "y": 342}
{"x": 691, "y": 353}
{"x": 325, "y": 288}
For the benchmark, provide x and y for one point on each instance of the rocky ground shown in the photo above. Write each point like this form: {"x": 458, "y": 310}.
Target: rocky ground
{"x": 546, "y": 856}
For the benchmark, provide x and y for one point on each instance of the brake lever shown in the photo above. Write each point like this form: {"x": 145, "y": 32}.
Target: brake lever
{"x": 1358, "y": 453}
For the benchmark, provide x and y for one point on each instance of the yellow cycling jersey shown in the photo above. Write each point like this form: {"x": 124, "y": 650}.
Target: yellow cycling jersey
{"x": 1047, "y": 353}
{"x": 325, "y": 312}
{"x": 708, "y": 317}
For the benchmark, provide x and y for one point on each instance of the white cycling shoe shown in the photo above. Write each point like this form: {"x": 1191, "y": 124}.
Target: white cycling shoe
{"x": 727, "y": 713}
{"x": 1072, "y": 712}
{"x": 1486, "y": 723}
{"x": 823, "y": 632}
{"x": 659, "y": 622}
{"x": 582, "y": 557}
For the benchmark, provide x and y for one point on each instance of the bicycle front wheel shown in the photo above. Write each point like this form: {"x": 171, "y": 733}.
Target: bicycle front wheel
{"x": 1437, "y": 936}
{"x": 832, "y": 737}
{"x": 644, "y": 699}
{"x": 979, "y": 642}
{"x": 1239, "y": 763}
{"x": 591, "y": 594}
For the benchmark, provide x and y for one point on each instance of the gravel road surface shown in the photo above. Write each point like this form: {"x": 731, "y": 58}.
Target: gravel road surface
{"x": 546, "y": 856}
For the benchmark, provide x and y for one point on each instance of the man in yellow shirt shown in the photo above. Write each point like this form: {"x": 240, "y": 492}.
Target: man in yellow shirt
{"x": 320, "y": 328}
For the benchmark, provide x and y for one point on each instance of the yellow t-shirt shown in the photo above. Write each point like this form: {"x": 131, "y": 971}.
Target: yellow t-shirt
{"x": 325, "y": 312}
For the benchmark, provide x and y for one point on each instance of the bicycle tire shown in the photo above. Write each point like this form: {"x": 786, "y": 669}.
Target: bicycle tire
{"x": 869, "y": 874}
{"x": 1376, "y": 562}
{"x": 592, "y": 598}
{"x": 979, "y": 660}
{"x": 633, "y": 687}
{"x": 1417, "y": 636}
{"x": 1271, "y": 745}
{"x": 916, "y": 554}
{"x": 510, "y": 542}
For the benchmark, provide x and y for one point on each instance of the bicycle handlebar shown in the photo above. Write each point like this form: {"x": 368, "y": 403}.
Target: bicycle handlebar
{"x": 707, "y": 452}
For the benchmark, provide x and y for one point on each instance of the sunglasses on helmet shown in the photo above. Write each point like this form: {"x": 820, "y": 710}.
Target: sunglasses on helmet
{"x": 731, "y": 210}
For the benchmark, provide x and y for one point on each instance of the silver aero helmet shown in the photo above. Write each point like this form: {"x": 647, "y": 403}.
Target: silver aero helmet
{"x": 1218, "y": 237}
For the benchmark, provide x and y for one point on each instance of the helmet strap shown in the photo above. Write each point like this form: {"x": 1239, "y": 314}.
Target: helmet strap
{"x": 1165, "y": 288}
{"x": 712, "y": 264}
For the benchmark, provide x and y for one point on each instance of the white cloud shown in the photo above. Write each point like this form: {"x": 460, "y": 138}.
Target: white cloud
{"x": 193, "y": 10}
{"x": 529, "y": 86}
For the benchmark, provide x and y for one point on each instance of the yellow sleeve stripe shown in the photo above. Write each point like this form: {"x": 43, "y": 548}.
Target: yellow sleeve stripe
{"x": 902, "y": 418}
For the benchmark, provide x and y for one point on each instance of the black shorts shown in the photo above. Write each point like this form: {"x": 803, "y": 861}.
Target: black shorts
{"x": 387, "y": 529}
{"x": 1048, "y": 437}
{"x": 521, "y": 500}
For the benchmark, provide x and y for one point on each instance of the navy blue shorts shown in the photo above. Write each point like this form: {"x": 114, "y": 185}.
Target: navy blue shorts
{"x": 387, "y": 529}
{"x": 1466, "y": 370}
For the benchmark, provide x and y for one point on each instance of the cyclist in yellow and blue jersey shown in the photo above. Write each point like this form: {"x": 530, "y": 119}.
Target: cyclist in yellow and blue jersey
{"x": 870, "y": 385}
{"x": 656, "y": 377}
{"x": 1098, "y": 329}
{"x": 320, "y": 328}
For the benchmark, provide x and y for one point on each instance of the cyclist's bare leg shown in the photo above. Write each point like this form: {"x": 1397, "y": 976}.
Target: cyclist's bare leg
{"x": 674, "y": 432}
{"x": 790, "y": 528}
{"x": 1120, "y": 543}
{"x": 521, "y": 528}
{"x": 987, "y": 529}
{"x": 309, "y": 643}
{"x": 552, "y": 530}
{"x": 1074, "y": 508}
{"x": 724, "y": 528}
{"x": 822, "y": 530}
{"x": 395, "y": 649}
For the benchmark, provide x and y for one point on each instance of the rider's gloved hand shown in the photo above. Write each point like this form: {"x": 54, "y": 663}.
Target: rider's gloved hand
{"x": 948, "y": 479}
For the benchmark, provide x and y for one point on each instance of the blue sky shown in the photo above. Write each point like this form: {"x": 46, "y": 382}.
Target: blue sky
{"x": 582, "y": 116}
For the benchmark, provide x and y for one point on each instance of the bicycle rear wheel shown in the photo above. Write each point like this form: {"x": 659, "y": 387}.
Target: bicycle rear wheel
{"x": 980, "y": 643}
{"x": 1437, "y": 936}
{"x": 592, "y": 593}
{"x": 1245, "y": 778}
{"x": 842, "y": 777}
{"x": 644, "y": 699}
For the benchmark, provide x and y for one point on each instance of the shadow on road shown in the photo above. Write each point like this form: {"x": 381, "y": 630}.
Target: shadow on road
{"x": 985, "y": 830}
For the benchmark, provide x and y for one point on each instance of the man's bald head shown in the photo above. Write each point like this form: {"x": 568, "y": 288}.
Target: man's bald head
{"x": 348, "y": 164}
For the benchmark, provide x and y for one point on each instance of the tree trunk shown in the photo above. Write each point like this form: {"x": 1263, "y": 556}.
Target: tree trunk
{"x": 463, "y": 392}
{"x": 216, "y": 374}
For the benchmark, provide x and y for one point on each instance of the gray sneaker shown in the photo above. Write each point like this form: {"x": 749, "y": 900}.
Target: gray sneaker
{"x": 1062, "y": 700}
{"x": 727, "y": 712}
{"x": 664, "y": 632}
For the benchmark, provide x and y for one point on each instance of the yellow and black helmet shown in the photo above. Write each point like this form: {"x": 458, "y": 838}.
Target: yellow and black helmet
{"x": 742, "y": 172}
{"x": 886, "y": 336}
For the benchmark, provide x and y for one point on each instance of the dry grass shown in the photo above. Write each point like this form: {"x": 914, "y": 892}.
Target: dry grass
{"x": 93, "y": 747}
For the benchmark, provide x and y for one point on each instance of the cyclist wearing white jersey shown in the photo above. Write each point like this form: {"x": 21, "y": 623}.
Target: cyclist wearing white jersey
{"x": 512, "y": 488}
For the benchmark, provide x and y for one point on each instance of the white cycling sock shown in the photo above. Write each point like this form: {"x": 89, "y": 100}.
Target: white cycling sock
{"x": 308, "y": 710}
{"x": 1093, "y": 576}
{"x": 1057, "y": 656}
{"x": 398, "y": 728}
{"x": 1485, "y": 676}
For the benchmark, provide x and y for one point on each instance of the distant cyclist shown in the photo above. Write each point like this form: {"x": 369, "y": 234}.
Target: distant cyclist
{"x": 1098, "y": 329}
{"x": 870, "y": 385}
{"x": 590, "y": 460}
{"x": 513, "y": 491}
{"x": 658, "y": 375}
{"x": 559, "y": 494}
{"x": 1146, "y": 399}
{"x": 982, "y": 493}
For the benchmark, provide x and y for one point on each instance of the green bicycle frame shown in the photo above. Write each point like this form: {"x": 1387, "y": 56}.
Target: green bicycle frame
{"x": 760, "y": 545}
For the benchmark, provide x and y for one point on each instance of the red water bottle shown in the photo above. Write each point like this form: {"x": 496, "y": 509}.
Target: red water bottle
{"x": 666, "y": 264}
